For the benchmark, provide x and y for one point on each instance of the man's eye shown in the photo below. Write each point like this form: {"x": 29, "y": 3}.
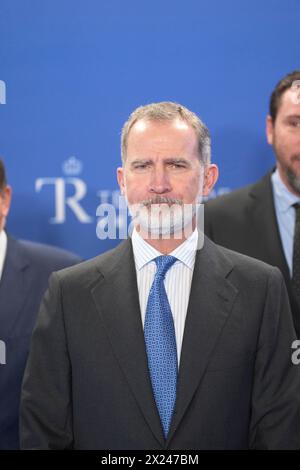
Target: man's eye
{"x": 295, "y": 123}
{"x": 177, "y": 165}
{"x": 141, "y": 166}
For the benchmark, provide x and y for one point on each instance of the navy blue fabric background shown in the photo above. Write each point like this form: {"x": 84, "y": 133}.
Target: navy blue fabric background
{"x": 71, "y": 71}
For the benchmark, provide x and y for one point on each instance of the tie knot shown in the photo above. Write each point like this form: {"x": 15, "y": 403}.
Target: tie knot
{"x": 163, "y": 264}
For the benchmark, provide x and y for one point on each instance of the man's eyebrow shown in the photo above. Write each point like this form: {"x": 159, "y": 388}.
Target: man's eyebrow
{"x": 142, "y": 160}
{"x": 177, "y": 160}
{"x": 293, "y": 116}
{"x": 147, "y": 161}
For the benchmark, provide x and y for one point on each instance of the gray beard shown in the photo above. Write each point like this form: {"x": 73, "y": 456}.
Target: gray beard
{"x": 293, "y": 180}
{"x": 172, "y": 223}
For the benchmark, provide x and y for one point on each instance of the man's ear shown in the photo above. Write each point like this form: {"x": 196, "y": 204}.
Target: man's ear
{"x": 6, "y": 200}
{"x": 269, "y": 130}
{"x": 211, "y": 174}
{"x": 120, "y": 178}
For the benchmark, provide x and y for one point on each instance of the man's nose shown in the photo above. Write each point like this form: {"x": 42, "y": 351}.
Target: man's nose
{"x": 160, "y": 182}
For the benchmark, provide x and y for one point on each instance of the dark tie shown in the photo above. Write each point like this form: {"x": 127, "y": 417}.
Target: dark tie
{"x": 161, "y": 344}
{"x": 296, "y": 256}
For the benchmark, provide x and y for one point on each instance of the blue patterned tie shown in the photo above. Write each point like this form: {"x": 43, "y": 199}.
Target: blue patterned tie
{"x": 161, "y": 344}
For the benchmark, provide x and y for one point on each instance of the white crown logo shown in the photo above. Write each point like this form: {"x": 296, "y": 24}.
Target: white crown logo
{"x": 72, "y": 166}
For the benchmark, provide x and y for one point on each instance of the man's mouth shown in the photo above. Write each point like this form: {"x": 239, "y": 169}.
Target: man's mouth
{"x": 295, "y": 158}
{"x": 159, "y": 200}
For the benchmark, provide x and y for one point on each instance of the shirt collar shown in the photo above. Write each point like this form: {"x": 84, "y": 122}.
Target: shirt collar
{"x": 3, "y": 248}
{"x": 144, "y": 252}
{"x": 285, "y": 199}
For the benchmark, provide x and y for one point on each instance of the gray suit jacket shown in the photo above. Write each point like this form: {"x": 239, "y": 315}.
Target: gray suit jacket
{"x": 87, "y": 385}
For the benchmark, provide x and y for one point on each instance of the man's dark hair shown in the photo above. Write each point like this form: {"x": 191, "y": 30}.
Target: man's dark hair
{"x": 284, "y": 84}
{"x": 3, "y": 181}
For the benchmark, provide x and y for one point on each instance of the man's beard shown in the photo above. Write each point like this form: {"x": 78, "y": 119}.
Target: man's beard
{"x": 292, "y": 177}
{"x": 162, "y": 217}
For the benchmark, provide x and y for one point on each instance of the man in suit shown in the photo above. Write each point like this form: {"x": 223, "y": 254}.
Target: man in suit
{"x": 24, "y": 271}
{"x": 260, "y": 220}
{"x": 157, "y": 344}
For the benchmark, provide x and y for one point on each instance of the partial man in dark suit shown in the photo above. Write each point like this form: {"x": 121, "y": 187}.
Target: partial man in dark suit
{"x": 163, "y": 343}
{"x": 24, "y": 271}
{"x": 261, "y": 220}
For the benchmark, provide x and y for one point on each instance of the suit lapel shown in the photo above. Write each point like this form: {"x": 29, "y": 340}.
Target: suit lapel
{"x": 14, "y": 285}
{"x": 265, "y": 217}
{"x": 116, "y": 298}
{"x": 211, "y": 301}
{"x": 261, "y": 212}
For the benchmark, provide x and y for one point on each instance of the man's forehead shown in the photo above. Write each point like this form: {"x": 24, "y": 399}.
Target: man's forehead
{"x": 174, "y": 158}
{"x": 161, "y": 134}
{"x": 290, "y": 100}
{"x": 173, "y": 139}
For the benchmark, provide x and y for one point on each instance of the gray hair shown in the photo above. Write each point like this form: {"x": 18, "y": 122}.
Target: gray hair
{"x": 169, "y": 111}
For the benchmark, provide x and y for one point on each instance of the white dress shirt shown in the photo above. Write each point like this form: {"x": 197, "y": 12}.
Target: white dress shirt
{"x": 177, "y": 281}
{"x": 3, "y": 247}
{"x": 286, "y": 216}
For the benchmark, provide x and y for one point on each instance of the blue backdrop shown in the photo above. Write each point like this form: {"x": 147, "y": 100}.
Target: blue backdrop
{"x": 71, "y": 71}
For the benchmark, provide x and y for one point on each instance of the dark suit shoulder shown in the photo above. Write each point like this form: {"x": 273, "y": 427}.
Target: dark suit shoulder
{"x": 237, "y": 199}
{"x": 49, "y": 257}
{"x": 88, "y": 271}
{"x": 239, "y": 259}
{"x": 246, "y": 266}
